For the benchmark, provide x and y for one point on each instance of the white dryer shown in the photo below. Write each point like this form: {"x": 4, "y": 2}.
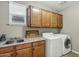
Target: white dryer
{"x": 66, "y": 43}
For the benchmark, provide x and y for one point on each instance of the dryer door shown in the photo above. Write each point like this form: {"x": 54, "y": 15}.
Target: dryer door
{"x": 67, "y": 43}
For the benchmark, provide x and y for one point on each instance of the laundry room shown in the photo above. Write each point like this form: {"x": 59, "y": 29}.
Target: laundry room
{"x": 39, "y": 28}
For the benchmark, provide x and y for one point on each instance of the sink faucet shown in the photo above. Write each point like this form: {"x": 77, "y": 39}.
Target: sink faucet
{"x": 2, "y": 38}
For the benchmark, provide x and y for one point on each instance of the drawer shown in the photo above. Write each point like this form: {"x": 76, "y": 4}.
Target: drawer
{"x": 38, "y": 43}
{"x": 8, "y": 54}
{"x": 6, "y": 49}
{"x": 22, "y": 46}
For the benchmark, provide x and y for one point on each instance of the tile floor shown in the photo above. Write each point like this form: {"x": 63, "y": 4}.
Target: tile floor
{"x": 71, "y": 54}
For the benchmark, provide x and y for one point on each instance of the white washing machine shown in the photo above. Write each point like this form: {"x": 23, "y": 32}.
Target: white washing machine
{"x": 53, "y": 45}
{"x": 66, "y": 43}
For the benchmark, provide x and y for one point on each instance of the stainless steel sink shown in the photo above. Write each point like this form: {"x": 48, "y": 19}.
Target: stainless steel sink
{"x": 18, "y": 40}
{"x": 9, "y": 42}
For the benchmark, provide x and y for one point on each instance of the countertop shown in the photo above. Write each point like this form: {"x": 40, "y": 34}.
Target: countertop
{"x": 26, "y": 40}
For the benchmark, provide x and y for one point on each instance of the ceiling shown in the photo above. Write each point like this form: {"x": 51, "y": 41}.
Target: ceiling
{"x": 54, "y": 5}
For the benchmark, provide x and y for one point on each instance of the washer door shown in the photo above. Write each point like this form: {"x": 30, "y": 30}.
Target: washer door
{"x": 67, "y": 43}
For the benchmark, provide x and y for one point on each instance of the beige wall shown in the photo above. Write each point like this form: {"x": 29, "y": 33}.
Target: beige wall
{"x": 17, "y": 31}
{"x": 10, "y": 31}
{"x": 71, "y": 25}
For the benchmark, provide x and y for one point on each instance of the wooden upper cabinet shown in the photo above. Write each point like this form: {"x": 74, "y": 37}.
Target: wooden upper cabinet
{"x": 60, "y": 21}
{"x": 45, "y": 19}
{"x": 34, "y": 16}
{"x": 53, "y": 20}
{"x": 37, "y": 17}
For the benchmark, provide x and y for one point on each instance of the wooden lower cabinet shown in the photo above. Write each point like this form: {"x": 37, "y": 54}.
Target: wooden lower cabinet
{"x": 39, "y": 51}
{"x": 24, "y": 52}
{"x": 8, "y": 54}
{"x": 34, "y": 49}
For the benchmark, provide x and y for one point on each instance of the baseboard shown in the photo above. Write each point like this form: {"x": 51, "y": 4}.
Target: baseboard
{"x": 75, "y": 51}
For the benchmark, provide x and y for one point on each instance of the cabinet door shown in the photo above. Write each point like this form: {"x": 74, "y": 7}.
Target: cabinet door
{"x": 60, "y": 21}
{"x": 39, "y": 51}
{"x": 24, "y": 52}
{"x": 9, "y": 54}
{"x": 53, "y": 22}
{"x": 45, "y": 19}
{"x": 35, "y": 17}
